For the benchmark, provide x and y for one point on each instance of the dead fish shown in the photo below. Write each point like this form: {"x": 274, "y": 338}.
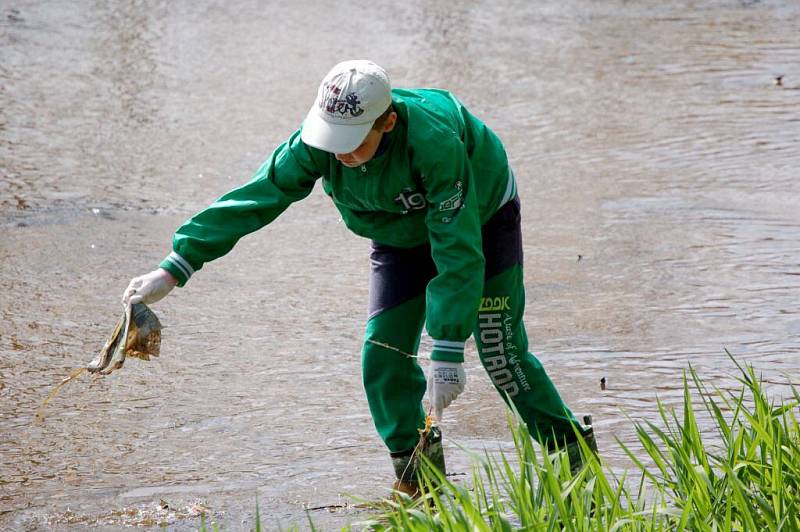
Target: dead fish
{"x": 101, "y": 361}
{"x": 118, "y": 355}
{"x": 137, "y": 334}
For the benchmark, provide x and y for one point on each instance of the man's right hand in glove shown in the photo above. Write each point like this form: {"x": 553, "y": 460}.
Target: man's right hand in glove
{"x": 446, "y": 382}
{"x": 149, "y": 288}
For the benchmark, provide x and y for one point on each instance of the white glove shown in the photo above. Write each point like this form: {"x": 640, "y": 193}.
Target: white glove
{"x": 446, "y": 381}
{"x": 149, "y": 287}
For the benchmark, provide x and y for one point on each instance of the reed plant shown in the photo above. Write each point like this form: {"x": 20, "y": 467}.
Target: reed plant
{"x": 741, "y": 473}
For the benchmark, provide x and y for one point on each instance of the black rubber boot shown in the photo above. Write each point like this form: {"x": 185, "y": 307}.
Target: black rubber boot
{"x": 407, "y": 464}
{"x": 573, "y": 449}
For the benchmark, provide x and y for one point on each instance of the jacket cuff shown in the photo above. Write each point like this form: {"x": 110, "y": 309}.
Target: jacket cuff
{"x": 178, "y": 267}
{"x": 447, "y": 351}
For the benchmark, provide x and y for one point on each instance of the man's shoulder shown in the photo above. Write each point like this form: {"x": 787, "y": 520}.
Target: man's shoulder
{"x": 431, "y": 124}
{"x": 428, "y": 112}
{"x": 426, "y": 96}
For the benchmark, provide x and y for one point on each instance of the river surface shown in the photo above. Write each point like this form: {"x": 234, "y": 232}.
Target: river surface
{"x": 658, "y": 162}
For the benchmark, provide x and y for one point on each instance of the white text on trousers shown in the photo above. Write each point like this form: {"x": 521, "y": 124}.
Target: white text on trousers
{"x": 494, "y": 355}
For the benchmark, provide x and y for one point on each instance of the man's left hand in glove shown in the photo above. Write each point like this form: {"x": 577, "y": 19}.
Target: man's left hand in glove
{"x": 445, "y": 382}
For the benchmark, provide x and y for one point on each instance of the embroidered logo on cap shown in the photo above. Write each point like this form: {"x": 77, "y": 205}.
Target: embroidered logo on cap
{"x": 330, "y": 101}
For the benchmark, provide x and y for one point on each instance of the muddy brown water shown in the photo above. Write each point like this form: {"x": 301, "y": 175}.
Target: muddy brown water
{"x": 658, "y": 167}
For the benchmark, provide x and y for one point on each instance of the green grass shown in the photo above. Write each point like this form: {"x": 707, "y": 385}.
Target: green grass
{"x": 742, "y": 474}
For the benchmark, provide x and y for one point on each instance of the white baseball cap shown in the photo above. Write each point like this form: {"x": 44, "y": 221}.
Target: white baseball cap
{"x": 350, "y": 98}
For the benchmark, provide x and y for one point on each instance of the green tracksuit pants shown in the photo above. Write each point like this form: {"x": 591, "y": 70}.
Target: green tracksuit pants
{"x": 395, "y": 383}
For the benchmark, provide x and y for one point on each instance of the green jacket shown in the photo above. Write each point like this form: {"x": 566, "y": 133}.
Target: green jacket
{"x": 440, "y": 176}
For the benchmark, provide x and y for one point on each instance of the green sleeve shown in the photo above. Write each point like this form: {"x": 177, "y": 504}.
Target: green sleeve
{"x": 454, "y": 229}
{"x": 287, "y": 176}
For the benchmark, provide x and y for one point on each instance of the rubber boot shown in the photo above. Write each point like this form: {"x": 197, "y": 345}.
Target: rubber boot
{"x": 407, "y": 464}
{"x": 573, "y": 449}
